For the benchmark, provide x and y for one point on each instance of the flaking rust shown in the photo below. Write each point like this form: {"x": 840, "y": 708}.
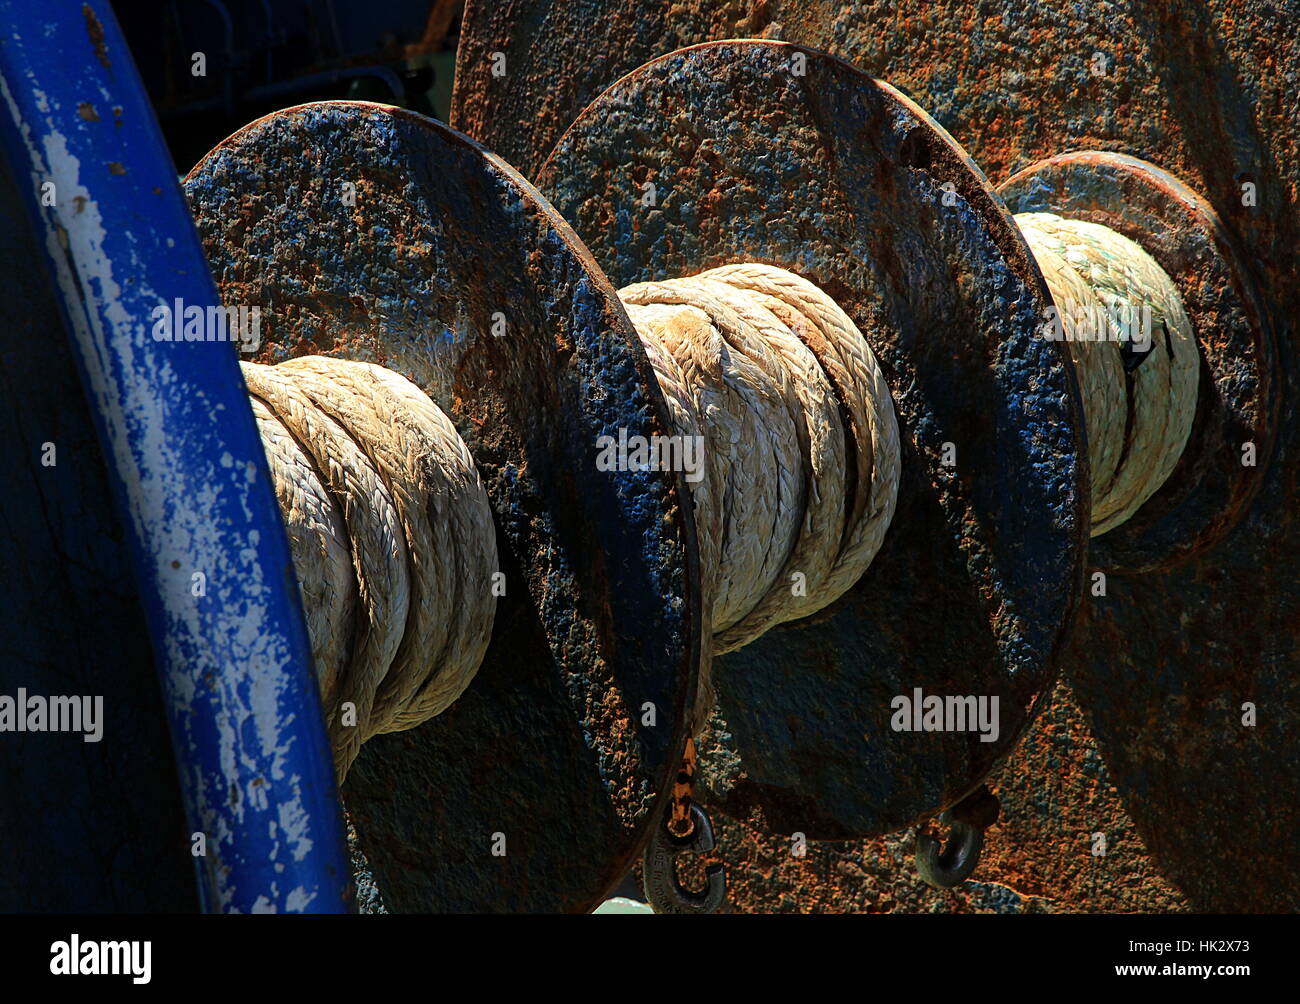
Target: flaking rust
{"x": 535, "y": 789}
{"x": 1200, "y": 810}
{"x": 802, "y": 730}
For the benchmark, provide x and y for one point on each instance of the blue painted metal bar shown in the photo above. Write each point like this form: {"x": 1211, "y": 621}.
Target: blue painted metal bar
{"x": 212, "y": 561}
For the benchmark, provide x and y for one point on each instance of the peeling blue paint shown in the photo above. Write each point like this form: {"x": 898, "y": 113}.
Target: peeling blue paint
{"x": 189, "y": 474}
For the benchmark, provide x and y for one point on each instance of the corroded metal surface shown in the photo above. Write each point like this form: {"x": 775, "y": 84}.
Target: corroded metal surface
{"x": 369, "y": 232}
{"x": 1040, "y": 857}
{"x": 757, "y": 151}
{"x": 1212, "y": 484}
{"x": 1207, "y": 89}
{"x": 1208, "y": 92}
{"x": 1081, "y": 830}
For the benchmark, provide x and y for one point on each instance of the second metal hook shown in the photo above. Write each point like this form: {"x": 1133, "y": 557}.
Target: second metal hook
{"x": 951, "y": 863}
{"x": 944, "y": 866}
{"x": 663, "y": 890}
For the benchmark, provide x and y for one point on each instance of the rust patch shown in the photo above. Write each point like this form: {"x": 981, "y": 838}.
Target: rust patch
{"x": 96, "y": 32}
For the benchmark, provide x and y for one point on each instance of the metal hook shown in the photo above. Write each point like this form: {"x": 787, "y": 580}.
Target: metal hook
{"x": 663, "y": 891}
{"x": 949, "y": 865}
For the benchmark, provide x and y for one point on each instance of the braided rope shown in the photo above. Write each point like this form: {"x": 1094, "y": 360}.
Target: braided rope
{"x": 364, "y": 464}
{"x": 800, "y": 439}
{"x": 865, "y": 405}
{"x": 320, "y": 547}
{"x": 1138, "y": 423}
{"x": 394, "y": 543}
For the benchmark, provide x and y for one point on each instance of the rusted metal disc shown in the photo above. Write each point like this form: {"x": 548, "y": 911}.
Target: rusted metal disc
{"x": 372, "y": 233}
{"x": 1211, "y": 485}
{"x": 771, "y": 152}
{"x": 1158, "y": 649}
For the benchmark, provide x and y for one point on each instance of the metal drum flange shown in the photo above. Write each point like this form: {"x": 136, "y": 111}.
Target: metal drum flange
{"x": 763, "y": 151}
{"x": 372, "y": 233}
{"x": 1204, "y": 90}
{"x": 1214, "y": 481}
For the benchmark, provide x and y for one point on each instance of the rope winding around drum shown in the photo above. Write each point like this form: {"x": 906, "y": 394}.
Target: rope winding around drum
{"x": 393, "y": 540}
{"x": 1138, "y": 423}
{"x": 801, "y": 449}
{"x": 391, "y": 537}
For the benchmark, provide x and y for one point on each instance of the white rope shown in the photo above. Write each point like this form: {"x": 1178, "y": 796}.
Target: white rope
{"x": 365, "y": 464}
{"x": 394, "y": 544}
{"x": 800, "y": 441}
{"x": 1138, "y": 423}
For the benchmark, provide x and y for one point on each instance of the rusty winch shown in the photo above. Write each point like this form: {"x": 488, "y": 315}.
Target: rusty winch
{"x": 923, "y": 489}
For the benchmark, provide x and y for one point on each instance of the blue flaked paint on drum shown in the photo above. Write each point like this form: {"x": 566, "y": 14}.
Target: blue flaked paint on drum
{"x": 189, "y": 474}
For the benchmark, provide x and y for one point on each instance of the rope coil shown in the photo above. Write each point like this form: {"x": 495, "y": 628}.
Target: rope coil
{"x": 1138, "y": 422}
{"x": 394, "y": 543}
{"x": 364, "y": 462}
{"x": 800, "y": 441}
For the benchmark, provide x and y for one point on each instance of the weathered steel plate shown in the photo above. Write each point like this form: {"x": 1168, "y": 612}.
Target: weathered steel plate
{"x": 376, "y": 234}
{"x": 1206, "y": 91}
{"x": 1237, "y": 404}
{"x": 841, "y": 179}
